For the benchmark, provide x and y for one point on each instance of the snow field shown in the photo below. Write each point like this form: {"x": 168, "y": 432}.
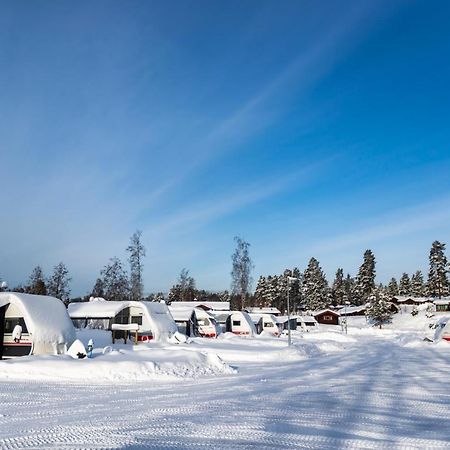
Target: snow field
{"x": 369, "y": 389}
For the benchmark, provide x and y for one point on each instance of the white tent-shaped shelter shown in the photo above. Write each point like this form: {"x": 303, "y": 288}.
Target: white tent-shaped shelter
{"x": 33, "y": 324}
{"x": 153, "y": 319}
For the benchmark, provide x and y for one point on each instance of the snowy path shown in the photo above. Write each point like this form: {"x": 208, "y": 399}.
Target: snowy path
{"x": 369, "y": 396}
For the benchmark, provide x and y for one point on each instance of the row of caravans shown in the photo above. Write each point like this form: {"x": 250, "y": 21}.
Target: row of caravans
{"x": 36, "y": 325}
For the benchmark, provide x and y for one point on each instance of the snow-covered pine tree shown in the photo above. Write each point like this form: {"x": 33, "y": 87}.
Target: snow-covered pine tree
{"x": 417, "y": 285}
{"x": 438, "y": 285}
{"x": 392, "y": 288}
{"x": 338, "y": 288}
{"x": 379, "y": 309}
{"x": 58, "y": 283}
{"x": 365, "y": 283}
{"x": 315, "y": 286}
{"x": 115, "y": 281}
{"x": 349, "y": 288}
{"x": 36, "y": 282}
{"x": 259, "y": 291}
{"x": 136, "y": 252}
{"x": 405, "y": 285}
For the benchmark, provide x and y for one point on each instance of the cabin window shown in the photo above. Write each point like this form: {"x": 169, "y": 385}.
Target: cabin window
{"x": 11, "y": 322}
{"x": 236, "y": 323}
{"x": 136, "y": 319}
{"x": 327, "y": 317}
{"x": 268, "y": 324}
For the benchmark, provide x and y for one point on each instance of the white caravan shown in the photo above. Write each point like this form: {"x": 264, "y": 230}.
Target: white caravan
{"x": 33, "y": 324}
{"x": 153, "y": 319}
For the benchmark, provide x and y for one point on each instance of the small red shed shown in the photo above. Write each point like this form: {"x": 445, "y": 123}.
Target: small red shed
{"x": 327, "y": 317}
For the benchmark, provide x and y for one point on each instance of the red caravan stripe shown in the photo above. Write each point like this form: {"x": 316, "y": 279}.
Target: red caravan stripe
{"x": 16, "y": 344}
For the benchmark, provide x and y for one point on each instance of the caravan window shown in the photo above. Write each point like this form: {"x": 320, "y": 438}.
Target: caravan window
{"x": 236, "y": 323}
{"x": 136, "y": 319}
{"x": 268, "y": 324}
{"x": 11, "y": 322}
{"x": 204, "y": 322}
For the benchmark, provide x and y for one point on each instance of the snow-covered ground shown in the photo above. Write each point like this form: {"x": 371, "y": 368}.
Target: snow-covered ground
{"x": 367, "y": 389}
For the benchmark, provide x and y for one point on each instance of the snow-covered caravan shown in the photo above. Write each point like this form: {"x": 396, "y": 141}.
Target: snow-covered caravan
{"x": 306, "y": 323}
{"x": 33, "y": 324}
{"x": 283, "y": 322}
{"x": 237, "y": 322}
{"x": 153, "y": 319}
{"x": 269, "y": 323}
{"x": 442, "y": 327}
{"x": 195, "y": 322}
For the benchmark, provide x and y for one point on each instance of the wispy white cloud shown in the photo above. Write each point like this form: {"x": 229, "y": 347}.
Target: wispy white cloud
{"x": 423, "y": 217}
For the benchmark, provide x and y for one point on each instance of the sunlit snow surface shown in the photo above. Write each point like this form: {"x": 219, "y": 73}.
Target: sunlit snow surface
{"x": 367, "y": 389}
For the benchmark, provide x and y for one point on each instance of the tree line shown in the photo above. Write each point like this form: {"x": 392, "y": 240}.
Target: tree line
{"x": 308, "y": 290}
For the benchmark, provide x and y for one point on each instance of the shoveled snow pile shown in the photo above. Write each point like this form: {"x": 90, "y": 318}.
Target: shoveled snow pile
{"x": 138, "y": 364}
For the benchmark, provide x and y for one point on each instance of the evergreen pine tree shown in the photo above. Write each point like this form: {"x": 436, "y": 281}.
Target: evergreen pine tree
{"x": 137, "y": 253}
{"x": 417, "y": 285}
{"x": 438, "y": 285}
{"x": 392, "y": 288}
{"x": 259, "y": 291}
{"x": 379, "y": 309}
{"x": 115, "y": 281}
{"x": 405, "y": 285}
{"x": 338, "y": 288}
{"x": 365, "y": 284}
{"x": 349, "y": 288}
{"x": 58, "y": 283}
{"x": 36, "y": 282}
{"x": 315, "y": 286}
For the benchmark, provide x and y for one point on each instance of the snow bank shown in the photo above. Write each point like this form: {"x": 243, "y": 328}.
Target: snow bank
{"x": 137, "y": 364}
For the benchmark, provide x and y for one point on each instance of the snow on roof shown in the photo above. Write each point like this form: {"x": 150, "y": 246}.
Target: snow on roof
{"x": 316, "y": 313}
{"x": 181, "y": 314}
{"x": 263, "y": 310}
{"x": 184, "y": 314}
{"x": 263, "y": 316}
{"x": 442, "y": 301}
{"x": 216, "y": 306}
{"x": 405, "y": 298}
{"x": 351, "y": 309}
{"x": 96, "y": 309}
{"x": 46, "y": 318}
{"x": 307, "y": 319}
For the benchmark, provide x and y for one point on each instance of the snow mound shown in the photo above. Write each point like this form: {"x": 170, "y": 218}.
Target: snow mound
{"x": 121, "y": 365}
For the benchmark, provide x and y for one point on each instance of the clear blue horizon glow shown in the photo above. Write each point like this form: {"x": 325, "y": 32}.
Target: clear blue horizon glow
{"x": 308, "y": 128}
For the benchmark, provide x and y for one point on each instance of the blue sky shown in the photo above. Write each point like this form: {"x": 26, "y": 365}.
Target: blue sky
{"x": 309, "y": 128}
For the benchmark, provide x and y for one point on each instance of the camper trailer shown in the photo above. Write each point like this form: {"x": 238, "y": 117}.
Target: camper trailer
{"x": 153, "y": 319}
{"x": 195, "y": 321}
{"x": 237, "y": 322}
{"x": 306, "y": 323}
{"x": 33, "y": 325}
{"x": 442, "y": 329}
{"x": 267, "y": 323}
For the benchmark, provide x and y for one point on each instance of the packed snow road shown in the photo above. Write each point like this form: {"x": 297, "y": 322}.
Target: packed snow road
{"x": 375, "y": 393}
